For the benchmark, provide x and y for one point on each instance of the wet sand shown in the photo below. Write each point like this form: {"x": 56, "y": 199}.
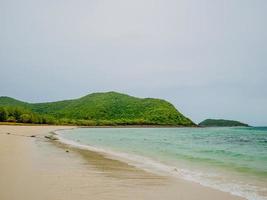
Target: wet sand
{"x": 34, "y": 168}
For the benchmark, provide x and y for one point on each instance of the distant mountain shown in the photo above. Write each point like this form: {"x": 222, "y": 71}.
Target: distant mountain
{"x": 221, "y": 123}
{"x": 110, "y": 108}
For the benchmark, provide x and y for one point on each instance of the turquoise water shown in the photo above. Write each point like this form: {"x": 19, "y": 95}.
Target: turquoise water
{"x": 229, "y": 159}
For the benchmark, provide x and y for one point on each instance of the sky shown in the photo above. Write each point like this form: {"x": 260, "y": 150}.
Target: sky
{"x": 207, "y": 57}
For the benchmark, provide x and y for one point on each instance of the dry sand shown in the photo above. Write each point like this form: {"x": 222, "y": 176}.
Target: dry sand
{"x": 34, "y": 168}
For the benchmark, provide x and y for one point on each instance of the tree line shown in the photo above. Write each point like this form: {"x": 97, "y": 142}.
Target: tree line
{"x": 23, "y": 115}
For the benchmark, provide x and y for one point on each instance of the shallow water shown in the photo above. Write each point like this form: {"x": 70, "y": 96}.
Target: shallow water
{"x": 229, "y": 159}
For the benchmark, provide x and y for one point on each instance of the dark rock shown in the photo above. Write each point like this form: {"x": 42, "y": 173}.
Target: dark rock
{"x": 50, "y": 137}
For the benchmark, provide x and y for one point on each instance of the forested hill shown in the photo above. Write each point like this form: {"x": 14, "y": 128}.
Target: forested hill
{"x": 109, "y": 108}
{"x": 221, "y": 122}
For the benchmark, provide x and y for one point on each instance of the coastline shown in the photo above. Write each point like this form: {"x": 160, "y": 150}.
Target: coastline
{"x": 100, "y": 126}
{"x": 52, "y": 172}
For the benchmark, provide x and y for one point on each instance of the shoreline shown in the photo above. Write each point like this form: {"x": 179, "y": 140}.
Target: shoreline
{"x": 100, "y": 126}
{"x": 52, "y": 172}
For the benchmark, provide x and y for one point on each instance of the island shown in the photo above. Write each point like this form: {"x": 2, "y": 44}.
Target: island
{"x": 96, "y": 109}
{"x": 221, "y": 123}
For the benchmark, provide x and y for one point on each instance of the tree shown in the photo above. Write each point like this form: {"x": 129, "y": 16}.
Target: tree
{"x": 25, "y": 118}
{"x": 3, "y": 114}
{"x": 11, "y": 119}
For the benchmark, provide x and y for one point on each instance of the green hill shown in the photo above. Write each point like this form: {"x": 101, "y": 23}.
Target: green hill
{"x": 7, "y": 101}
{"x": 221, "y": 123}
{"x": 109, "y": 108}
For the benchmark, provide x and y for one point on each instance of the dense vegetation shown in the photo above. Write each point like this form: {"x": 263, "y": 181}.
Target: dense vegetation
{"x": 220, "y": 122}
{"x": 109, "y": 108}
{"x": 22, "y": 115}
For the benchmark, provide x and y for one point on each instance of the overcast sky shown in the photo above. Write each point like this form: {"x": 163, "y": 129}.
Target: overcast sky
{"x": 207, "y": 57}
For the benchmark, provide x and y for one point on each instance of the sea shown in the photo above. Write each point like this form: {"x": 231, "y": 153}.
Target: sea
{"x": 233, "y": 160}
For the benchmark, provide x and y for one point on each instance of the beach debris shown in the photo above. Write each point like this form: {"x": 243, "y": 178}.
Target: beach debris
{"x": 175, "y": 169}
{"x": 19, "y": 135}
{"x": 50, "y": 137}
{"x": 67, "y": 151}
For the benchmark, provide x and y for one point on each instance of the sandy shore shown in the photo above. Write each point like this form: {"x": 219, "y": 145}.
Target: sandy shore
{"x": 34, "y": 168}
